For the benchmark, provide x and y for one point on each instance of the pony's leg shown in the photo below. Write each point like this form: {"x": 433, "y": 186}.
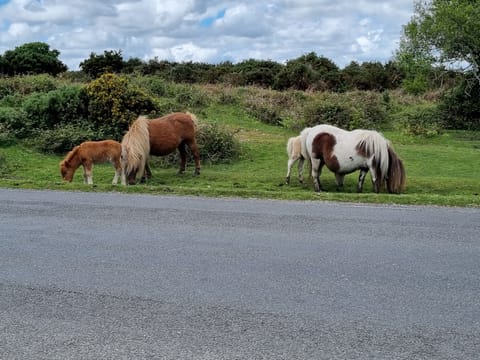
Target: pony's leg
{"x": 339, "y": 179}
{"x": 84, "y": 174}
{"x": 183, "y": 158}
{"x": 316, "y": 171}
{"x": 301, "y": 162}
{"x": 88, "y": 173}
{"x": 118, "y": 171}
{"x": 196, "y": 155}
{"x": 289, "y": 170}
{"x": 361, "y": 179}
{"x": 123, "y": 177}
{"x": 147, "y": 173}
{"x": 117, "y": 174}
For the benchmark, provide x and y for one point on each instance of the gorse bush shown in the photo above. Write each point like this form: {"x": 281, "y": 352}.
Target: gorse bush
{"x": 113, "y": 103}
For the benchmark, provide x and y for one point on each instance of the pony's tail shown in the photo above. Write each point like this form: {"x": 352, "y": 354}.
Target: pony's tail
{"x": 290, "y": 145}
{"x": 136, "y": 146}
{"x": 194, "y": 119}
{"x": 396, "y": 173}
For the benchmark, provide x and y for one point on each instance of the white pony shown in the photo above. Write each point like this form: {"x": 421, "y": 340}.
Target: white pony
{"x": 344, "y": 152}
{"x": 296, "y": 150}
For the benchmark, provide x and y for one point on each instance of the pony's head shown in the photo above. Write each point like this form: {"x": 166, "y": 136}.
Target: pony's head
{"x": 66, "y": 170}
{"x": 69, "y": 164}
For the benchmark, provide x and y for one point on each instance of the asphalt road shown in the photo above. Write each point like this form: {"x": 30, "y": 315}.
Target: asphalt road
{"x": 119, "y": 276}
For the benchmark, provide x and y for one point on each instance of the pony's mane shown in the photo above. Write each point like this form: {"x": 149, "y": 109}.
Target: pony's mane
{"x": 372, "y": 143}
{"x": 71, "y": 154}
{"x": 136, "y": 145}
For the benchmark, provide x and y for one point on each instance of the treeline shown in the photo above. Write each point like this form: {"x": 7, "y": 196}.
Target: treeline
{"x": 307, "y": 72}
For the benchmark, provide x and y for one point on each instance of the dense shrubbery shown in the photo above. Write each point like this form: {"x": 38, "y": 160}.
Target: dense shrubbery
{"x": 419, "y": 120}
{"x": 216, "y": 144}
{"x": 24, "y": 85}
{"x": 460, "y": 107}
{"x": 61, "y": 106}
{"x": 61, "y": 139}
{"x": 366, "y": 110}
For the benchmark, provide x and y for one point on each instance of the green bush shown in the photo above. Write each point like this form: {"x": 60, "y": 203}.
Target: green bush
{"x": 419, "y": 120}
{"x": 4, "y": 169}
{"x": 190, "y": 97}
{"x": 154, "y": 85}
{"x": 269, "y": 107}
{"x": 327, "y": 113}
{"x": 62, "y": 138}
{"x": 15, "y": 122}
{"x": 60, "y": 106}
{"x": 354, "y": 110}
{"x": 6, "y": 136}
{"x": 216, "y": 144}
{"x": 25, "y": 85}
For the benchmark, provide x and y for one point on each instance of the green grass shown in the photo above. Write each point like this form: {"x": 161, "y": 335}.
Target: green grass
{"x": 443, "y": 170}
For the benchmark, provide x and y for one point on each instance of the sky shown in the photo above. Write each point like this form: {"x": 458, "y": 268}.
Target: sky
{"x": 211, "y": 31}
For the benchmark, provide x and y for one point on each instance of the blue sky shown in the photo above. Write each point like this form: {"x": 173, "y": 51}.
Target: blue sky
{"x": 208, "y": 31}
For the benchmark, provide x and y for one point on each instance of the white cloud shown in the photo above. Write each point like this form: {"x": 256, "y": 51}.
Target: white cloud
{"x": 343, "y": 31}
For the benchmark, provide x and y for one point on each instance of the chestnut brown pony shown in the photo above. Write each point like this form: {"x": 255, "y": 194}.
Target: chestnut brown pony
{"x": 89, "y": 153}
{"x": 158, "y": 137}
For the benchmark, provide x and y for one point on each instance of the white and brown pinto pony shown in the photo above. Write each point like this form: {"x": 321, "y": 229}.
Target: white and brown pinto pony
{"x": 344, "y": 152}
{"x": 297, "y": 151}
{"x": 158, "y": 137}
{"x": 89, "y": 153}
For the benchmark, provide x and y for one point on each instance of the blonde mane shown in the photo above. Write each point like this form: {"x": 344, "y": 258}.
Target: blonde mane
{"x": 136, "y": 146}
{"x": 372, "y": 143}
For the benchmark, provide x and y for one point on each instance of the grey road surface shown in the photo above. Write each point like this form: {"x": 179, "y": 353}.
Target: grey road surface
{"x": 121, "y": 276}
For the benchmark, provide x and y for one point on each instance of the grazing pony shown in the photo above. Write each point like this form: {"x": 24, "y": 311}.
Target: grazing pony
{"x": 89, "y": 153}
{"x": 296, "y": 151}
{"x": 158, "y": 137}
{"x": 343, "y": 152}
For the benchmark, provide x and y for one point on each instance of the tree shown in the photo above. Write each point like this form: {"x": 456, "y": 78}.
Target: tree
{"x": 32, "y": 58}
{"x": 441, "y": 32}
{"x": 308, "y": 71}
{"x": 109, "y": 62}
